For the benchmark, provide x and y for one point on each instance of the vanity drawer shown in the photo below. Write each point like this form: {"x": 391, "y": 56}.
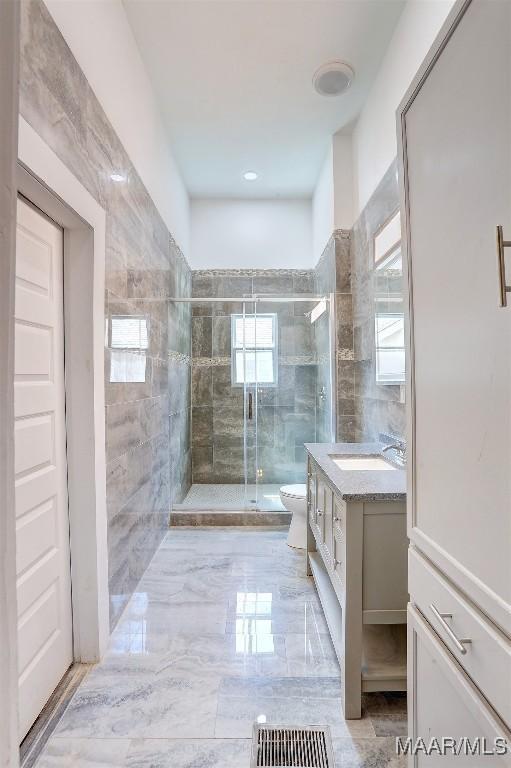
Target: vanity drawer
{"x": 487, "y": 657}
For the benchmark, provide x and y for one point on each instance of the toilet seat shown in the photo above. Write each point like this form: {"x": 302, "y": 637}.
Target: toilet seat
{"x": 297, "y": 491}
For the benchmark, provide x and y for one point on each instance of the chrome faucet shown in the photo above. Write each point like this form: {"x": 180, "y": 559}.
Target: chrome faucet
{"x": 399, "y": 449}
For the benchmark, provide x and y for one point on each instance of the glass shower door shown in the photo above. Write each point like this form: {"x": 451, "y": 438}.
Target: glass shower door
{"x": 243, "y": 366}
{"x": 292, "y": 390}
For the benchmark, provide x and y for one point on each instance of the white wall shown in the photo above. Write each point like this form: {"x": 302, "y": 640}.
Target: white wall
{"x": 238, "y": 234}
{"x": 332, "y": 202}
{"x": 343, "y": 181}
{"x": 102, "y": 42}
{"x": 323, "y": 207}
{"x": 374, "y": 137}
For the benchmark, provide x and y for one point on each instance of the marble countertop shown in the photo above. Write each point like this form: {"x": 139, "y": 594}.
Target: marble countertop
{"x": 358, "y": 485}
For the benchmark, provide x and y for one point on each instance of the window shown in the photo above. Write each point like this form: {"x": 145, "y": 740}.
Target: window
{"x": 254, "y": 349}
{"x": 128, "y": 344}
{"x": 387, "y": 240}
{"x": 389, "y": 315}
{"x": 390, "y": 347}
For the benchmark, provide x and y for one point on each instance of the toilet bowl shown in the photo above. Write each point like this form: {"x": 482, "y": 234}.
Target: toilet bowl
{"x": 293, "y": 497}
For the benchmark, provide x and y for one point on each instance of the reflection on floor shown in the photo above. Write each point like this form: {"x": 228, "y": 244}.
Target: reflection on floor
{"x": 223, "y": 496}
{"x": 224, "y": 629}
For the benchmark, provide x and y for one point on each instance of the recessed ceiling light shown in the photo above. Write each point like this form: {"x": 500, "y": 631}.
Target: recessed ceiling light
{"x": 250, "y": 175}
{"x": 118, "y": 177}
{"x": 333, "y": 78}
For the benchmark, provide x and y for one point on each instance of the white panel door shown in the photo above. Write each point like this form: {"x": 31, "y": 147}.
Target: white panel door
{"x": 45, "y": 648}
{"x": 458, "y": 152}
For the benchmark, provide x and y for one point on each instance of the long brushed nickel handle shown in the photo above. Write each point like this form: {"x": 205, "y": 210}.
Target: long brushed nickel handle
{"x": 501, "y": 246}
{"x": 250, "y": 415}
{"x": 441, "y": 617}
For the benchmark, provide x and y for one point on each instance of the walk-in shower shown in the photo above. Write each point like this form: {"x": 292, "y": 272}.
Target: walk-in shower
{"x": 261, "y": 386}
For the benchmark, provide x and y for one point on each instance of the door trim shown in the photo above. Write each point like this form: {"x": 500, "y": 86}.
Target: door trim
{"x": 48, "y": 184}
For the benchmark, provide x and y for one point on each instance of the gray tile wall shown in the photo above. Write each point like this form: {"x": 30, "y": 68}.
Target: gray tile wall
{"x": 142, "y": 267}
{"x": 364, "y": 408}
{"x": 286, "y": 413}
{"x": 333, "y": 276}
{"x": 179, "y": 377}
{"x": 379, "y": 408}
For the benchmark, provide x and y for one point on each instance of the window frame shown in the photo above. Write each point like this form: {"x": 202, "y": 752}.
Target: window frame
{"x": 273, "y": 350}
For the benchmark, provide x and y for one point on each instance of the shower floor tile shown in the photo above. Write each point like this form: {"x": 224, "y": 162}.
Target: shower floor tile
{"x": 223, "y": 496}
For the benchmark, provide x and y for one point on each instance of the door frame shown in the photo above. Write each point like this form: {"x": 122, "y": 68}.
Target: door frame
{"x": 48, "y": 184}
{"x": 9, "y": 91}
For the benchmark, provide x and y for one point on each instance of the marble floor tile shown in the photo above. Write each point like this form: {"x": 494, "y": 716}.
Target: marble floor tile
{"x": 217, "y": 634}
{"x": 387, "y": 702}
{"x": 390, "y": 724}
{"x": 270, "y": 566}
{"x": 311, "y": 654}
{"x": 197, "y": 618}
{"x": 258, "y": 617}
{"x": 189, "y": 753}
{"x": 84, "y": 753}
{"x": 201, "y": 656}
{"x": 141, "y": 705}
{"x": 236, "y": 715}
{"x": 366, "y": 753}
{"x": 282, "y": 688}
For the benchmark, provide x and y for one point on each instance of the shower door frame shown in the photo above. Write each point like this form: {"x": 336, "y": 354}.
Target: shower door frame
{"x": 254, "y": 299}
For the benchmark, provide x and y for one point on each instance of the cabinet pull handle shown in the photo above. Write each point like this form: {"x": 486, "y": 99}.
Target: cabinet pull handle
{"x": 441, "y": 617}
{"x": 337, "y": 562}
{"x": 319, "y": 512}
{"x": 503, "y": 288}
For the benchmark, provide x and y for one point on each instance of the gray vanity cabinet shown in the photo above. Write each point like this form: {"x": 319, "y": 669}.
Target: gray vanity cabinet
{"x": 356, "y": 553}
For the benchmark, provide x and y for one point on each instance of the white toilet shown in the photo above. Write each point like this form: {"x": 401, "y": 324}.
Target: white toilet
{"x": 293, "y": 497}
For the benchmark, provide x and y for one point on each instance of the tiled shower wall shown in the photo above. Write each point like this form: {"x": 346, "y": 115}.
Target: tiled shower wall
{"x": 378, "y": 408}
{"x": 142, "y": 267}
{"x": 332, "y": 275}
{"x": 286, "y": 413}
{"x": 179, "y": 377}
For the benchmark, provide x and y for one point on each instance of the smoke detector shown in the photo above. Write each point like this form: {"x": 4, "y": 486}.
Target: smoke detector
{"x": 333, "y": 78}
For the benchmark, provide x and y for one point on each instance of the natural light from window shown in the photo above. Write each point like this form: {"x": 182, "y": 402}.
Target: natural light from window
{"x": 388, "y": 313}
{"x": 254, "y": 349}
{"x": 128, "y": 344}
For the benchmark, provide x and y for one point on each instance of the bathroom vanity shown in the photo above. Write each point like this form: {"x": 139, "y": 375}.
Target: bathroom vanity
{"x": 357, "y": 555}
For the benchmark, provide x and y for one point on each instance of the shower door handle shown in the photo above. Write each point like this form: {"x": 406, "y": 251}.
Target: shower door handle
{"x": 250, "y": 406}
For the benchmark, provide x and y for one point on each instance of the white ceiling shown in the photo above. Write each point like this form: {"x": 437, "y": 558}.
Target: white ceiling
{"x": 234, "y": 83}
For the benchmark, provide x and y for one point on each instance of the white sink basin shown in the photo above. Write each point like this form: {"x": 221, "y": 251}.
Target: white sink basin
{"x": 363, "y": 463}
